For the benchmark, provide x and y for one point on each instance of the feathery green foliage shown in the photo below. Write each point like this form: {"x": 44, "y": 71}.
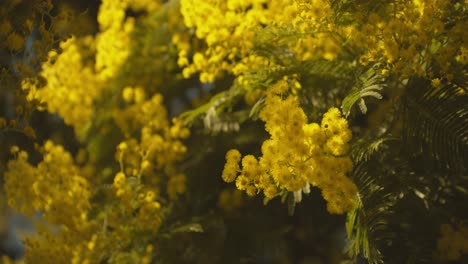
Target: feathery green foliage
{"x": 435, "y": 124}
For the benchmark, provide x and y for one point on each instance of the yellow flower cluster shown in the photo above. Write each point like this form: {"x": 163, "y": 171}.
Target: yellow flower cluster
{"x": 146, "y": 164}
{"x": 53, "y": 246}
{"x": 297, "y": 154}
{"x": 135, "y": 197}
{"x": 113, "y": 42}
{"x": 410, "y": 34}
{"x": 151, "y": 39}
{"x": 27, "y": 36}
{"x": 75, "y": 77}
{"x": 159, "y": 145}
{"x": 92, "y": 213}
{"x": 230, "y": 30}
{"x": 233, "y": 157}
{"x": 403, "y": 35}
{"x": 71, "y": 86}
{"x": 55, "y": 186}
{"x": 453, "y": 242}
{"x": 139, "y": 110}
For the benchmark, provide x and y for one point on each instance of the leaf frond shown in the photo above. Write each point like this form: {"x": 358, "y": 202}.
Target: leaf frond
{"x": 364, "y": 148}
{"x": 435, "y": 124}
{"x": 370, "y": 84}
{"x": 368, "y": 224}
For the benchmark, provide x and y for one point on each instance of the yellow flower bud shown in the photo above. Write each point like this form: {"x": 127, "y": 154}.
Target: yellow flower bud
{"x": 127, "y": 94}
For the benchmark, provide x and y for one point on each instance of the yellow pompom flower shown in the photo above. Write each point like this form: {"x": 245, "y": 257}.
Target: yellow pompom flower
{"x": 297, "y": 155}
{"x": 231, "y": 167}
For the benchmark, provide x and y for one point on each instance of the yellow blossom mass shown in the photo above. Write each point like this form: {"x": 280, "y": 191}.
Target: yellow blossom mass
{"x": 412, "y": 34}
{"x": 297, "y": 154}
{"x": 144, "y": 131}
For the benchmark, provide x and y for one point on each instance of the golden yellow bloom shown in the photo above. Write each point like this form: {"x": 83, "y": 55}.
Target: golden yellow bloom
{"x": 297, "y": 154}
{"x": 71, "y": 86}
{"x": 127, "y": 94}
{"x": 57, "y": 169}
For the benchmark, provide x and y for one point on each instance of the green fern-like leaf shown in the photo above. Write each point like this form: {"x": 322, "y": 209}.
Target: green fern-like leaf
{"x": 435, "y": 124}
{"x": 364, "y": 148}
{"x": 369, "y": 85}
{"x": 367, "y": 225}
{"x": 220, "y": 102}
{"x": 398, "y": 212}
{"x": 329, "y": 69}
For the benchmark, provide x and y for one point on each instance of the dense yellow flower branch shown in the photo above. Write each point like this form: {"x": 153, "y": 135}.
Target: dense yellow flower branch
{"x": 219, "y": 37}
{"x": 403, "y": 35}
{"x": 298, "y": 154}
{"x": 92, "y": 212}
{"x": 65, "y": 192}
